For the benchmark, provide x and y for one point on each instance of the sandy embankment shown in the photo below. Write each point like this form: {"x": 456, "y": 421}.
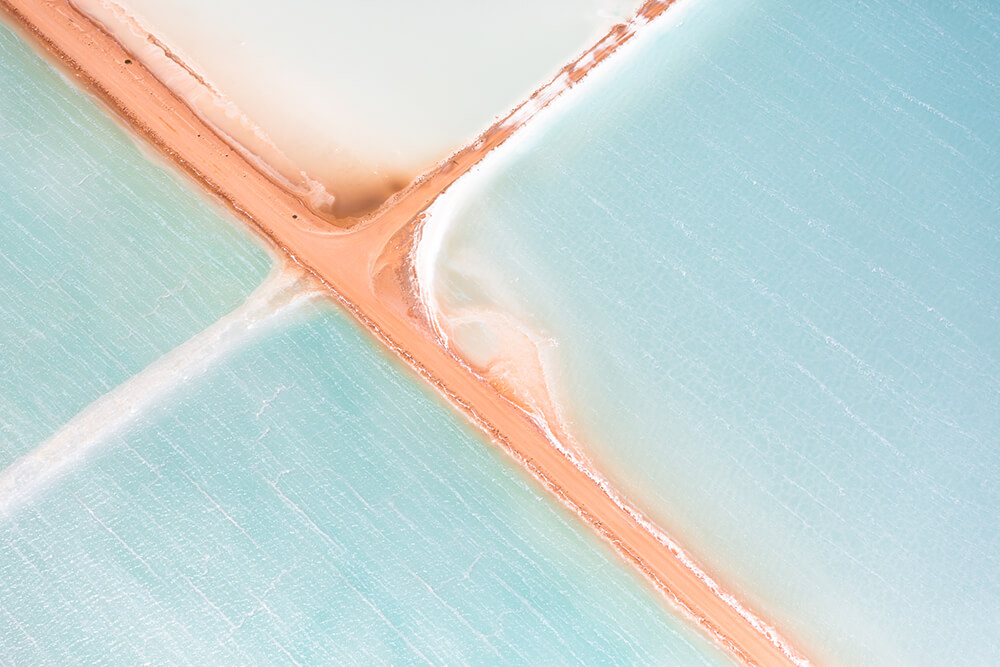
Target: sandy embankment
{"x": 369, "y": 270}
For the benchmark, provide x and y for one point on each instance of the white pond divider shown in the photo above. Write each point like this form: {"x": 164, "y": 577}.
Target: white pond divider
{"x": 281, "y": 292}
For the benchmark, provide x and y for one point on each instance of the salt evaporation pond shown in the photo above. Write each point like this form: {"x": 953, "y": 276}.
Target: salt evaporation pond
{"x": 760, "y": 249}
{"x": 300, "y": 500}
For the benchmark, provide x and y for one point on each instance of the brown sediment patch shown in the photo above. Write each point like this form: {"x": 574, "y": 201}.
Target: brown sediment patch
{"x": 368, "y": 269}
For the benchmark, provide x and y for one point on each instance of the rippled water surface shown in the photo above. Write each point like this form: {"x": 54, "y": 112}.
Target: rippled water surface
{"x": 106, "y": 260}
{"x": 761, "y": 251}
{"x": 306, "y": 502}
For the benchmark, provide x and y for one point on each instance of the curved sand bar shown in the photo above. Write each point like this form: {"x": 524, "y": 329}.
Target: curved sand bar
{"x": 369, "y": 270}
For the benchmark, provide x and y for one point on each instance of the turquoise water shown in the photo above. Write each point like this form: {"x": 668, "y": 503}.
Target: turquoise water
{"x": 307, "y": 502}
{"x": 106, "y": 261}
{"x": 297, "y": 499}
{"x": 762, "y": 251}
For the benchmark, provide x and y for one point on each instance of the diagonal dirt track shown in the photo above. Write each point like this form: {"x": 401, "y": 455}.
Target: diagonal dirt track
{"x": 367, "y": 267}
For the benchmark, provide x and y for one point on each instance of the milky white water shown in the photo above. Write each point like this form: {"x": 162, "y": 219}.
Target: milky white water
{"x": 359, "y": 96}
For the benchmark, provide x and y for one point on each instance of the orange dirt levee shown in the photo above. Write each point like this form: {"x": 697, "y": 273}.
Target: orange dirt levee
{"x": 367, "y": 268}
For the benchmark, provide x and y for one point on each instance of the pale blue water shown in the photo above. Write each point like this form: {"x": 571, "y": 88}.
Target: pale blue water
{"x": 307, "y": 502}
{"x": 106, "y": 260}
{"x": 767, "y": 249}
{"x": 302, "y": 501}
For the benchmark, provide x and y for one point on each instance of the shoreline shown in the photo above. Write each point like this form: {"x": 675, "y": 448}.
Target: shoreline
{"x": 369, "y": 270}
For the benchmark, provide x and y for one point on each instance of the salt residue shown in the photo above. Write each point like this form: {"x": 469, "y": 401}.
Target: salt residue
{"x": 543, "y": 109}
{"x": 277, "y": 296}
